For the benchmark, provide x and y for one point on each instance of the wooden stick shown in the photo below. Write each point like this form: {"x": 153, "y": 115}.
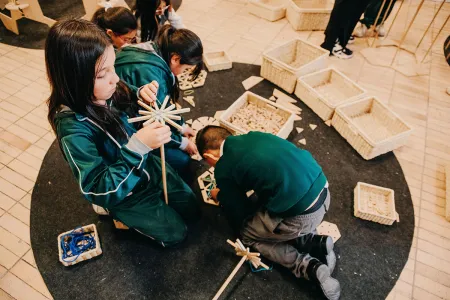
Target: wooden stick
{"x": 173, "y": 117}
{"x": 376, "y": 19}
{"x": 163, "y": 166}
{"x": 170, "y": 108}
{"x": 155, "y": 104}
{"x": 225, "y": 284}
{"x": 149, "y": 121}
{"x": 395, "y": 17}
{"x": 431, "y": 23}
{"x": 145, "y": 112}
{"x": 147, "y": 107}
{"x": 180, "y": 128}
{"x": 178, "y": 111}
{"x": 382, "y": 22}
{"x": 165, "y": 102}
{"x": 138, "y": 119}
{"x": 435, "y": 39}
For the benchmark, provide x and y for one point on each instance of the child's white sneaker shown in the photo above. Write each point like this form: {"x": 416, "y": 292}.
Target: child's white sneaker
{"x": 360, "y": 31}
{"x": 342, "y": 53}
{"x": 320, "y": 273}
{"x": 381, "y": 30}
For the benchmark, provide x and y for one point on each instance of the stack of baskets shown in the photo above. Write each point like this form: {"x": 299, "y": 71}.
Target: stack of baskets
{"x": 271, "y": 10}
{"x": 309, "y": 14}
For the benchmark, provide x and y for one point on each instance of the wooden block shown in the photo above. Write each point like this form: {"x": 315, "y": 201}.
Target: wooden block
{"x": 190, "y": 100}
{"x": 289, "y": 106}
{"x": 328, "y": 123}
{"x": 297, "y": 118}
{"x": 189, "y": 122}
{"x": 185, "y": 86}
{"x": 196, "y": 125}
{"x": 218, "y": 114}
{"x": 251, "y": 82}
{"x": 330, "y": 229}
{"x": 280, "y": 95}
{"x": 312, "y": 126}
{"x": 302, "y": 141}
{"x": 299, "y": 130}
{"x": 272, "y": 98}
{"x": 204, "y": 121}
{"x": 249, "y": 193}
{"x": 120, "y": 225}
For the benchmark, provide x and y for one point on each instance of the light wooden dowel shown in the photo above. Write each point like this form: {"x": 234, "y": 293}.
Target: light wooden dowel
{"x": 138, "y": 119}
{"x": 180, "y": 128}
{"x": 163, "y": 165}
{"x": 165, "y": 102}
{"x": 178, "y": 111}
{"x": 225, "y": 284}
{"x": 147, "y": 107}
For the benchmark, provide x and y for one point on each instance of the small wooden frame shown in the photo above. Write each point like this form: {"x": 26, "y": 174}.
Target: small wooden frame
{"x": 217, "y": 61}
{"x": 207, "y": 182}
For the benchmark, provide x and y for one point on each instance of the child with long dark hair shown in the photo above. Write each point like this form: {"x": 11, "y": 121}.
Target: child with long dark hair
{"x": 174, "y": 51}
{"x": 151, "y": 15}
{"x": 111, "y": 160}
{"x": 119, "y": 24}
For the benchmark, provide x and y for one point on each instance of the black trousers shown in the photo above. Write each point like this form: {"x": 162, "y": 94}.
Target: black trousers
{"x": 343, "y": 19}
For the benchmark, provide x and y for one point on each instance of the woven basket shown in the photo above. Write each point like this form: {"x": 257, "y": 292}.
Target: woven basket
{"x": 324, "y": 90}
{"x": 284, "y": 64}
{"x": 374, "y": 203}
{"x": 309, "y": 14}
{"x": 216, "y": 61}
{"x": 249, "y": 97}
{"x": 271, "y": 10}
{"x": 85, "y": 255}
{"x": 370, "y": 127}
{"x": 447, "y": 192}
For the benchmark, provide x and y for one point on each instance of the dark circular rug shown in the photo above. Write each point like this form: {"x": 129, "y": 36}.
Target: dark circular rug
{"x": 33, "y": 34}
{"x": 370, "y": 256}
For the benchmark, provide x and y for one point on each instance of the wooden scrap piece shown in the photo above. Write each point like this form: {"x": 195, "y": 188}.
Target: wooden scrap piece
{"x": 196, "y": 125}
{"x": 272, "y": 98}
{"x": 328, "y": 123}
{"x": 312, "y": 126}
{"x": 189, "y": 122}
{"x": 218, "y": 114}
{"x": 251, "y": 82}
{"x": 299, "y": 130}
{"x": 297, "y": 118}
{"x": 190, "y": 100}
{"x": 280, "y": 95}
{"x": 302, "y": 141}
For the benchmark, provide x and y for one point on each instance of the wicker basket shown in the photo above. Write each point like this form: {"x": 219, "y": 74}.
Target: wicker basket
{"x": 85, "y": 255}
{"x": 370, "y": 127}
{"x": 249, "y": 97}
{"x": 216, "y": 61}
{"x": 447, "y": 192}
{"x": 374, "y": 203}
{"x": 324, "y": 90}
{"x": 309, "y": 14}
{"x": 271, "y": 10}
{"x": 284, "y": 64}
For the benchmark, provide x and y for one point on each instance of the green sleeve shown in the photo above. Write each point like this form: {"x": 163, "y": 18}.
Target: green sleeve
{"x": 102, "y": 184}
{"x": 234, "y": 201}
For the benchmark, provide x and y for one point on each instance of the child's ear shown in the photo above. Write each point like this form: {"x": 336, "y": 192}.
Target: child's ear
{"x": 175, "y": 60}
{"x": 109, "y": 32}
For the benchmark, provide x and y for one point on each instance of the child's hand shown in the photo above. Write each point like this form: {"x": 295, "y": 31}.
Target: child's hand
{"x": 214, "y": 193}
{"x": 188, "y": 131}
{"x": 149, "y": 91}
{"x": 154, "y": 135}
{"x": 170, "y": 8}
{"x": 191, "y": 148}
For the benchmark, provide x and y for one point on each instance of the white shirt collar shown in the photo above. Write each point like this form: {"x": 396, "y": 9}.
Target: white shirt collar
{"x": 221, "y": 148}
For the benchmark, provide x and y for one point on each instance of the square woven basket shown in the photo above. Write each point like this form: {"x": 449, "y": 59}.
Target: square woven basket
{"x": 375, "y": 203}
{"x": 85, "y": 255}
{"x": 370, "y": 127}
{"x": 326, "y": 89}
{"x": 284, "y": 64}
{"x": 271, "y": 10}
{"x": 309, "y": 14}
{"x": 249, "y": 97}
{"x": 216, "y": 61}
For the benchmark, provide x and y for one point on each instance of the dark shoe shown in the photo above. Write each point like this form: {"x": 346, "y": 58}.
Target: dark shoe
{"x": 342, "y": 53}
{"x": 320, "y": 273}
{"x": 319, "y": 246}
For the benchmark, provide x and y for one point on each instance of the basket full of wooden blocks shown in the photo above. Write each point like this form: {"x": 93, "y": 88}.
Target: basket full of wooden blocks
{"x": 254, "y": 113}
{"x": 375, "y": 203}
{"x": 284, "y": 64}
{"x": 271, "y": 10}
{"x": 216, "y": 61}
{"x": 324, "y": 90}
{"x": 370, "y": 127}
{"x": 309, "y": 14}
{"x": 85, "y": 238}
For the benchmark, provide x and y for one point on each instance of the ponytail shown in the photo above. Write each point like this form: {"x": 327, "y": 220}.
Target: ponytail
{"x": 119, "y": 20}
{"x": 145, "y": 10}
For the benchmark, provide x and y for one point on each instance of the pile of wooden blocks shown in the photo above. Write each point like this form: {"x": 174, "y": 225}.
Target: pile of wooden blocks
{"x": 186, "y": 81}
{"x": 256, "y": 118}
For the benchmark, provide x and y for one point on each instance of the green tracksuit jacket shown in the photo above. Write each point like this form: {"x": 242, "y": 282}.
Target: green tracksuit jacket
{"x": 124, "y": 177}
{"x": 286, "y": 179}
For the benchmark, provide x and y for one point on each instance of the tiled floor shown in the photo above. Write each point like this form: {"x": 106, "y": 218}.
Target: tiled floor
{"x": 226, "y": 24}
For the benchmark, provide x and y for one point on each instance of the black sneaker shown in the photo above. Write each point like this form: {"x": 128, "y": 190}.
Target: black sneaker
{"x": 318, "y": 246}
{"x": 319, "y": 272}
{"x": 351, "y": 40}
{"x": 342, "y": 53}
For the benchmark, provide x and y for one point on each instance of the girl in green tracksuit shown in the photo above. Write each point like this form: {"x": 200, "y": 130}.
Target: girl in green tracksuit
{"x": 111, "y": 160}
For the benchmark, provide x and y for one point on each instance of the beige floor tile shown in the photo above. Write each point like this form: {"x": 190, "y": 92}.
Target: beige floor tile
{"x": 407, "y": 276}
{"x": 50, "y": 136}
{"x": 7, "y": 258}
{"x": 16, "y": 179}
{"x": 8, "y": 116}
{"x": 9, "y": 64}
{"x": 10, "y": 86}
{"x": 3, "y": 271}
{"x": 29, "y": 72}
{"x": 1, "y": 212}
{"x": 19, "y": 289}
{"x": 4, "y": 295}
{"x": 21, "y": 213}
{"x": 419, "y": 294}
{"x": 433, "y": 274}
{"x": 6, "y": 202}
{"x": 18, "y": 78}
{"x": 23, "y": 133}
{"x": 16, "y": 227}
{"x": 13, "y": 243}
{"x": 41, "y": 122}
{"x": 403, "y": 288}
{"x": 433, "y": 287}
{"x": 29, "y": 98}
{"x": 430, "y": 260}
{"x": 26, "y": 201}
{"x": 24, "y": 169}
{"x": 30, "y": 160}
{"x": 31, "y": 276}
{"x": 29, "y": 258}
{"x": 43, "y": 144}
{"x": 36, "y": 152}
{"x": 9, "y": 149}
{"x": 11, "y": 108}
{"x": 5, "y": 158}
{"x": 23, "y": 105}
{"x": 435, "y": 218}
{"x": 11, "y": 190}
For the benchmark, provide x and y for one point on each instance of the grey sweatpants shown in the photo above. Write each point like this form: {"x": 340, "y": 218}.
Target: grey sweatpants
{"x": 271, "y": 236}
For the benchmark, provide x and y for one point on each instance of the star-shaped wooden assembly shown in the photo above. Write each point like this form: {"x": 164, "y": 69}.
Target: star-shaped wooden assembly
{"x": 161, "y": 114}
{"x": 253, "y": 257}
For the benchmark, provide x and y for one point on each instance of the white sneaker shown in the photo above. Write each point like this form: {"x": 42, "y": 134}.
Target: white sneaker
{"x": 381, "y": 30}
{"x": 360, "y": 31}
{"x": 100, "y": 210}
{"x": 342, "y": 53}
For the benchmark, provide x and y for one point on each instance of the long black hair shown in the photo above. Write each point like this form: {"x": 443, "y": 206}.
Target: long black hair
{"x": 145, "y": 10}
{"x": 182, "y": 42}
{"x": 72, "y": 50}
{"x": 119, "y": 19}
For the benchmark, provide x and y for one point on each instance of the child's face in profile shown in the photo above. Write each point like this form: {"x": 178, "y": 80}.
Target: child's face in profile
{"x": 106, "y": 78}
{"x": 176, "y": 67}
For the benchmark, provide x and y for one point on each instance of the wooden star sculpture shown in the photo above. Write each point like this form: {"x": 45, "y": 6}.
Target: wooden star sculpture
{"x": 161, "y": 114}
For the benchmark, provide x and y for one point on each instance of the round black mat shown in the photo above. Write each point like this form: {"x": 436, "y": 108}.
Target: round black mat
{"x": 33, "y": 34}
{"x": 371, "y": 256}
